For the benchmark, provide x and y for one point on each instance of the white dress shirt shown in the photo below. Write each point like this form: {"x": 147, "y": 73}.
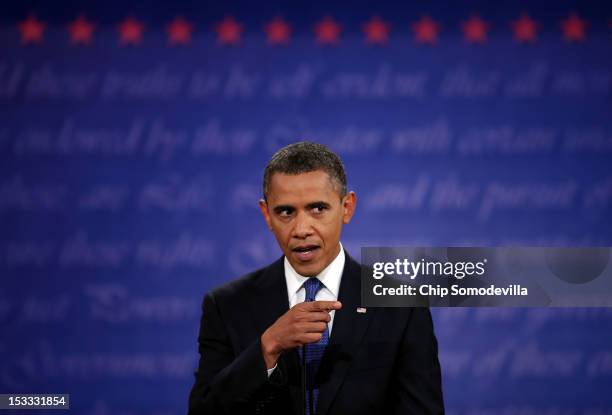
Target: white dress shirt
{"x": 330, "y": 285}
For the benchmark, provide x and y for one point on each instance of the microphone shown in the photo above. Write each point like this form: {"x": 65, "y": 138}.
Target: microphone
{"x": 304, "y": 397}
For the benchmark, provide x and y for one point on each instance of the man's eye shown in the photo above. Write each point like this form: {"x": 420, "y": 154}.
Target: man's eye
{"x": 285, "y": 212}
{"x": 318, "y": 209}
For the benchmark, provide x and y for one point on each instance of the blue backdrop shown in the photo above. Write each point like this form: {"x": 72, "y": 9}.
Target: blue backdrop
{"x": 133, "y": 138}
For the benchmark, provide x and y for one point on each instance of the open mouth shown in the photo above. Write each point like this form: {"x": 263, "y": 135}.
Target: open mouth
{"x": 305, "y": 252}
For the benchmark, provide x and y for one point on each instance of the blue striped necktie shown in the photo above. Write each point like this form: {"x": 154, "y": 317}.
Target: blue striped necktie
{"x": 314, "y": 352}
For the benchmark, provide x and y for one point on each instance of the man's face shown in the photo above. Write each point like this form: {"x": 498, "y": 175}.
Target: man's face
{"x": 306, "y": 214}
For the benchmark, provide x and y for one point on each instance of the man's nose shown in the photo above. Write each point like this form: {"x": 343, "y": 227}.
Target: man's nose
{"x": 303, "y": 226}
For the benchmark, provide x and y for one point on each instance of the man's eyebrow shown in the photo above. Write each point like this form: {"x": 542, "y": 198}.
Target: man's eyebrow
{"x": 317, "y": 204}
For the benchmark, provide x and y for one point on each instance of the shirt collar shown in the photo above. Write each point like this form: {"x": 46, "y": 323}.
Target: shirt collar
{"x": 329, "y": 277}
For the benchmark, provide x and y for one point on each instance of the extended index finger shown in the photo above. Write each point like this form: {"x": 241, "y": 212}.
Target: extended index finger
{"x": 323, "y": 305}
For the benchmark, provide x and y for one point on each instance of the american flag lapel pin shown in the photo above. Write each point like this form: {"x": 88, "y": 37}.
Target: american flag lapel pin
{"x": 362, "y": 310}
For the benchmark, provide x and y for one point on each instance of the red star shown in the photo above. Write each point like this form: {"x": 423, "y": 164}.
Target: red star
{"x": 574, "y": 28}
{"x": 525, "y": 28}
{"x": 31, "y": 30}
{"x": 376, "y": 31}
{"x": 278, "y": 31}
{"x": 179, "y": 31}
{"x": 426, "y": 30}
{"x": 81, "y": 31}
{"x": 130, "y": 31}
{"x": 475, "y": 30}
{"x": 228, "y": 31}
{"x": 327, "y": 31}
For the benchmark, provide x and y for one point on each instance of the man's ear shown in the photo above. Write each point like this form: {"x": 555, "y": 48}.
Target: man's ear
{"x": 263, "y": 206}
{"x": 349, "y": 203}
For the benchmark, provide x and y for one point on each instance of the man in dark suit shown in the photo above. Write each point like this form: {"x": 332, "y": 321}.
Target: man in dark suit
{"x": 293, "y": 338}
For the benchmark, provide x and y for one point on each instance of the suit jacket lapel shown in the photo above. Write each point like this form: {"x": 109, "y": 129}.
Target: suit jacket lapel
{"x": 347, "y": 333}
{"x": 268, "y": 303}
{"x": 269, "y": 300}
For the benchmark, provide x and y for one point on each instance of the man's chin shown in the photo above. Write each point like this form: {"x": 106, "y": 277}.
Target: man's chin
{"x": 307, "y": 270}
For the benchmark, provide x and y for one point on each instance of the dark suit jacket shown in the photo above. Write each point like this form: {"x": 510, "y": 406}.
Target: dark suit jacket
{"x": 382, "y": 361}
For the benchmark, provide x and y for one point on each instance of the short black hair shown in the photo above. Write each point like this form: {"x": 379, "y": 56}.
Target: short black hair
{"x": 305, "y": 157}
